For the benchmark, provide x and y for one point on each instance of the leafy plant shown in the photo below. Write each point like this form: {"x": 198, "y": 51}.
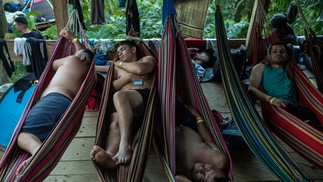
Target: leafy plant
{"x": 235, "y": 13}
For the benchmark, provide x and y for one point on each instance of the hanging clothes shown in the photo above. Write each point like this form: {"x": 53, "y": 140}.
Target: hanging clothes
{"x": 97, "y": 12}
{"x": 133, "y": 22}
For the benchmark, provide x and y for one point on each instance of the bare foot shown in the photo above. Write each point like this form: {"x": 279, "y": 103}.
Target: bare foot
{"x": 123, "y": 156}
{"x": 102, "y": 158}
{"x": 22, "y": 166}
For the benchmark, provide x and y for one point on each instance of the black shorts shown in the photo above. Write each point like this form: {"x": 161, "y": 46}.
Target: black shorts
{"x": 304, "y": 114}
{"x": 42, "y": 118}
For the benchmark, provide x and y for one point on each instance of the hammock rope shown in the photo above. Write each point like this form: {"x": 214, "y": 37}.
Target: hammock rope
{"x": 261, "y": 142}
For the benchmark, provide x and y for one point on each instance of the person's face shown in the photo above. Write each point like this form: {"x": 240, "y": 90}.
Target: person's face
{"x": 19, "y": 26}
{"x": 201, "y": 58}
{"x": 204, "y": 173}
{"x": 125, "y": 52}
{"x": 278, "y": 54}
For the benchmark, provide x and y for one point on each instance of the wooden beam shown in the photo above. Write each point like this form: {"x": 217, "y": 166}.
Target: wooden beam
{"x": 61, "y": 14}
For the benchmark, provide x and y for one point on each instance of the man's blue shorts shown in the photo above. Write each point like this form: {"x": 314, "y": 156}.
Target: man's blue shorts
{"x": 42, "y": 118}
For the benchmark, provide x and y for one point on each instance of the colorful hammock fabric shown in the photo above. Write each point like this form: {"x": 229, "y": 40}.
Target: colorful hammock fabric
{"x": 134, "y": 170}
{"x": 260, "y": 34}
{"x": 304, "y": 139}
{"x": 314, "y": 49}
{"x": 176, "y": 78}
{"x": 54, "y": 146}
{"x": 44, "y": 161}
{"x": 261, "y": 142}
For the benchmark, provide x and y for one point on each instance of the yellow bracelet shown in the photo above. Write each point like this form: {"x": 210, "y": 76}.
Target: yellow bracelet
{"x": 120, "y": 64}
{"x": 271, "y": 100}
{"x": 74, "y": 40}
{"x": 199, "y": 120}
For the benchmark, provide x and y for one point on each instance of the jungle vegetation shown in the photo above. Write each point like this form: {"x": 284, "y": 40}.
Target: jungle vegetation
{"x": 236, "y": 14}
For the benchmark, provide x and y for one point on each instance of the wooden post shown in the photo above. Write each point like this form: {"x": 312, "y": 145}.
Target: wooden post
{"x": 61, "y": 14}
{"x": 250, "y": 33}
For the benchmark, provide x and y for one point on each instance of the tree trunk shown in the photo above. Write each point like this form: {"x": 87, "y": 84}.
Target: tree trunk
{"x": 3, "y": 21}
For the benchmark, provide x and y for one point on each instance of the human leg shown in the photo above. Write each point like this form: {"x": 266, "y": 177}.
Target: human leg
{"x": 104, "y": 157}
{"x": 305, "y": 114}
{"x": 29, "y": 143}
{"x": 125, "y": 103}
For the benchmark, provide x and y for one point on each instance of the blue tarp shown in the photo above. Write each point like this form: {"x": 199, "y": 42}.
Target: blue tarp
{"x": 10, "y": 112}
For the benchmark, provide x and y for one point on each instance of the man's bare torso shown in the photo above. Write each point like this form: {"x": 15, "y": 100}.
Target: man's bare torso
{"x": 68, "y": 78}
{"x": 146, "y": 83}
{"x": 190, "y": 149}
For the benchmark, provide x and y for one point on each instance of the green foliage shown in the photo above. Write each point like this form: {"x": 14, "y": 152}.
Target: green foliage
{"x": 20, "y": 71}
{"x": 236, "y": 15}
{"x": 50, "y": 33}
{"x": 311, "y": 10}
{"x": 31, "y": 17}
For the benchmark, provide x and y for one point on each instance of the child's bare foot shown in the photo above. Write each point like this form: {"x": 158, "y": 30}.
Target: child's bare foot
{"x": 22, "y": 166}
{"x": 102, "y": 158}
{"x": 123, "y": 156}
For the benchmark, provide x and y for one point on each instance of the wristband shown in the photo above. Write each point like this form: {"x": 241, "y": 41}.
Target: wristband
{"x": 120, "y": 64}
{"x": 199, "y": 120}
{"x": 74, "y": 40}
{"x": 271, "y": 100}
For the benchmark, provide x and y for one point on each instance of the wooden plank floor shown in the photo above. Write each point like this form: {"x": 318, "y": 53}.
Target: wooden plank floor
{"x": 75, "y": 165}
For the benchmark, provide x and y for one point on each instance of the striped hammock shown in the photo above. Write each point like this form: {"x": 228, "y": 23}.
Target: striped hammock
{"x": 176, "y": 78}
{"x": 261, "y": 142}
{"x": 303, "y": 138}
{"x": 134, "y": 170}
{"x": 314, "y": 48}
{"x": 49, "y": 154}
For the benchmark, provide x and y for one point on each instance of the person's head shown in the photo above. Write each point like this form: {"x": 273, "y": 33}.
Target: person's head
{"x": 203, "y": 172}
{"x": 204, "y": 58}
{"x": 126, "y": 50}
{"x": 278, "y": 53}
{"x": 21, "y": 23}
{"x": 283, "y": 30}
{"x": 85, "y": 55}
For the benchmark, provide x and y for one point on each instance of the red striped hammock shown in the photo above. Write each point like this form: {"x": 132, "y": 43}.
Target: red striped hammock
{"x": 176, "y": 78}
{"x": 53, "y": 147}
{"x": 134, "y": 170}
{"x": 303, "y": 138}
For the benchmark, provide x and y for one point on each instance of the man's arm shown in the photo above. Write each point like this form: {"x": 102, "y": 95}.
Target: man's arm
{"x": 255, "y": 81}
{"x": 69, "y": 35}
{"x": 202, "y": 129}
{"x": 102, "y": 69}
{"x": 142, "y": 67}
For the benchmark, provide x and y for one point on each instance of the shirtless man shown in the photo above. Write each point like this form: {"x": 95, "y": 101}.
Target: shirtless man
{"x": 70, "y": 73}
{"x": 198, "y": 158}
{"x": 131, "y": 86}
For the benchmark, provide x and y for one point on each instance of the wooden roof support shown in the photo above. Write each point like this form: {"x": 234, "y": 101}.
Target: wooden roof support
{"x": 61, "y": 14}
{"x": 250, "y": 33}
